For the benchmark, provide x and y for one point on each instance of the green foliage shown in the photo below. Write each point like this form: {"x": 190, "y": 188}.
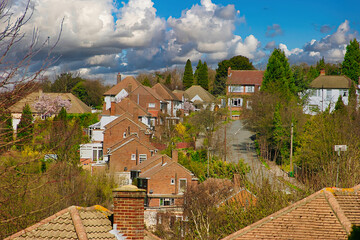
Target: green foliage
{"x": 355, "y": 233}
{"x": 146, "y": 82}
{"x": 236, "y": 63}
{"x": 351, "y": 63}
{"x": 65, "y": 82}
{"x": 278, "y": 77}
{"x": 6, "y": 130}
{"x": 196, "y": 73}
{"x": 25, "y": 128}
{"x": 84, "y": 119}
{"x": 90, "y": 92}
{"x": 188, "y": 78}
{"x": 203, "y": 77}
{"x": 196, "y": 162}
{"x": 278, "y": 137}
{"x": 340, "y": 106}
{"x": 168, "y": 80}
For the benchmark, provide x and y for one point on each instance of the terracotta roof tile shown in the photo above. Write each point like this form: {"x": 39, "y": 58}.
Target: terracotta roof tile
{"x": 326, "y": 214}
{"x": 126, "y": 83}
{"x": 246, "y": 77}
{"x": 151, "y": 162}
{"x": 165, "y": 92}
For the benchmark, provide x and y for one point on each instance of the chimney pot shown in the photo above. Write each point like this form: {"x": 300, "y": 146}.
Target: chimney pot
{"x": 229, "y": 70}
{"x": 118, "y": 78}
{"x": 322, "y": 72}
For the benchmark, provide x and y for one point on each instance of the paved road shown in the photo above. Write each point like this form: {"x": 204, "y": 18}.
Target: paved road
{"x": 240, "y": 146}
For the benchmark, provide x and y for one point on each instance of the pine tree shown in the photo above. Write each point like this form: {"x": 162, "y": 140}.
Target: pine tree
{"x": 340, "y": 106}
{"x": 25, "y": 128}
{"x": 351, "y": 63}
{"x": 188, "y": 78}
{"x": 196, "y": 81}
{"x": 278, "y": 77}
{"x": 203, "y": 76}
{"x": 320, "y": 65}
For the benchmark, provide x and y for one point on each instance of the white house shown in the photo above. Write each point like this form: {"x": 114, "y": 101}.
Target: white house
{"x": 324, "y": 92}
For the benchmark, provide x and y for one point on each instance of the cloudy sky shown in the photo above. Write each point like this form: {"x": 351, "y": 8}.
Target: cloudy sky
{"x": 102, "y": 37}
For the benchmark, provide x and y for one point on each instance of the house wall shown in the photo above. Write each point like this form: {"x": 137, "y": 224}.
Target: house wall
{"x": 321, "y": 99}
{"x": 115, "y": 134}
{"x": 143, "y": 98}
{"x": 121, "y": 158}
{"x": 160, "y": 183}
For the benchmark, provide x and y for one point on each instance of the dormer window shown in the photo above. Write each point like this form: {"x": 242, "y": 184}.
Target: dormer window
{"x": 151, "y": 105}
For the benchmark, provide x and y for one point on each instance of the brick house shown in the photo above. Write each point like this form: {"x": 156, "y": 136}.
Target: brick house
{"x": 164, "y": 180}
{"x": 174, "y": 103}
{"x": 126, "y": 154}
{"x": 96, "y": 222}
{"x": 240, "y": 85}
{"x": 120, "y": 90}
{"x": 150, "y": 100}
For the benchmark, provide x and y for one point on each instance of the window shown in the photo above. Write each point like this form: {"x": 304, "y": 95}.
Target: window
{"x": 328, "y": 94}
{"x": 142, "y": 157}
{"x": 182, "y": 185}
{"x": 237, "y": 102}
{"x": 237, "y": 88}
{"x": 124, "y": 135}
{"x": 97, "y": 153}
{"x": 151, "y": 105}
{"x": 166, "y": 201}
{"x": 172, "y": 182}
{"x": 133, "y": 156}
{"x": 248, "y": 104}
{"x": 249, "y": 89}
{"x": 343, "y": 92}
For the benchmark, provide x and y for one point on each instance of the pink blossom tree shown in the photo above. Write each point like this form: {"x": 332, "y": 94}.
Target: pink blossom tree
{"x": 48, "y": 106}
{"x": 188, "y": 106}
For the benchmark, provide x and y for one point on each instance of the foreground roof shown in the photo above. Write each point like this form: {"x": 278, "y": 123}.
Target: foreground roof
{"x": 326, "y": 214}
{"x": 165, "y": 92}
{"x": 71, "y": 223}
{"x": 126, "y": 105}
{"x": 331, "y": 82}
{"x": 77, "y": 106}
{"x": 245, "y": 77}
{"x": 201, "y": 92}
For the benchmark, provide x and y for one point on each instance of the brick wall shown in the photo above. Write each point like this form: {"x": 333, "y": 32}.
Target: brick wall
{"x": 129, "y": 211}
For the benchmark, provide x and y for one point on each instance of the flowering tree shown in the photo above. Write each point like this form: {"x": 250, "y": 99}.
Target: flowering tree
{"x": 188, "y": 106}
{"x": 48, "y": 106}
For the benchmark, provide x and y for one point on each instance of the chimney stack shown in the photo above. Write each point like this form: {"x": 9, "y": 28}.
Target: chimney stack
{"x": 136, "y": 114}
{"x": 237, "y": 181}
{"x": 174, "y": 155}
{"x": 229, "y": 70}
{"x": 129, "y": 211}
{"x": 112, "y": 108}
{"x": 322, "y": 72}
{"x": 118, "y": 78}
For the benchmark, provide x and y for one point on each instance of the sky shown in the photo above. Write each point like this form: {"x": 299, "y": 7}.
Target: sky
{"x": 100, "y": 38}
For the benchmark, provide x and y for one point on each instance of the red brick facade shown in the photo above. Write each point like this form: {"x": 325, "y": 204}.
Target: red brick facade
{"x": 128, "y": 153}
{"x": 129, "y": 211}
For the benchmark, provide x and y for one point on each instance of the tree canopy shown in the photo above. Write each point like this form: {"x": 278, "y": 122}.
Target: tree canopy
{"x": 203, "y": 76}
{"x": 236, "y": 63}
{"x": 351, "y": 63}
{"x": 25, "y": 128}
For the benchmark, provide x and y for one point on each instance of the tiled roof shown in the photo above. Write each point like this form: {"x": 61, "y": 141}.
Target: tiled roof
{"x": 201, "y": 92}
{"x": 77, "y": 106}
{"x": 124, "y": 84}
{"x": 71, "y": 223}
{"x": 246, "y": 77}
{"x": 326, "y": 214}
{"x": 129, "y": 140}
{"x": 159, "y": 167}
{"x": 179, "y": 94}
{"x": 331, "y": 82}
{"x": 124, "y": 116}
{"x": 153, "y": 160}
{"x": 126, "y": 105}
{"x": 165, "y": 92}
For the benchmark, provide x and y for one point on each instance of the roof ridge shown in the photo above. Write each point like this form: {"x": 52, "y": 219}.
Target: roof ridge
{"x": 272, "y": 216}
{"x": 336, "y": 208}
{"x": 79, "y": 227}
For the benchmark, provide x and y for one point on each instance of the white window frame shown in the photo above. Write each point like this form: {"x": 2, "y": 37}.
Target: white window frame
{"x": 142, "y": 158}
{"x": 238, "y": 101}
{"x": 236, "y": 88}
{"x": 162, "y": 201}
{"x": 250, "y": 89}
{"x": 133, "y": 156}
{"x": 172, "y": 181}
{"x": 124, "y": 135}
{"x": 248, "y": 104}
{"x": 151, "y": 105}
{"x": 99, "y": 153}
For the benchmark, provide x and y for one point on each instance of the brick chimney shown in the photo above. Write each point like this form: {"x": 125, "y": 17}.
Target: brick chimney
{"x": 174, "y": 155}
{"x": 229, "y": 70}
{"x": 112, "y": 108}
{"x": 129, "y": 211}
{"x": 118, "y": 78}
{"x": 136, "y": 114}
{"x": 237, "y": 181}
{"x": 322, "y": 72}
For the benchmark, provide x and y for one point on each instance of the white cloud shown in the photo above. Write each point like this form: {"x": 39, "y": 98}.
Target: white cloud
{"x": 295, "y": 51}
